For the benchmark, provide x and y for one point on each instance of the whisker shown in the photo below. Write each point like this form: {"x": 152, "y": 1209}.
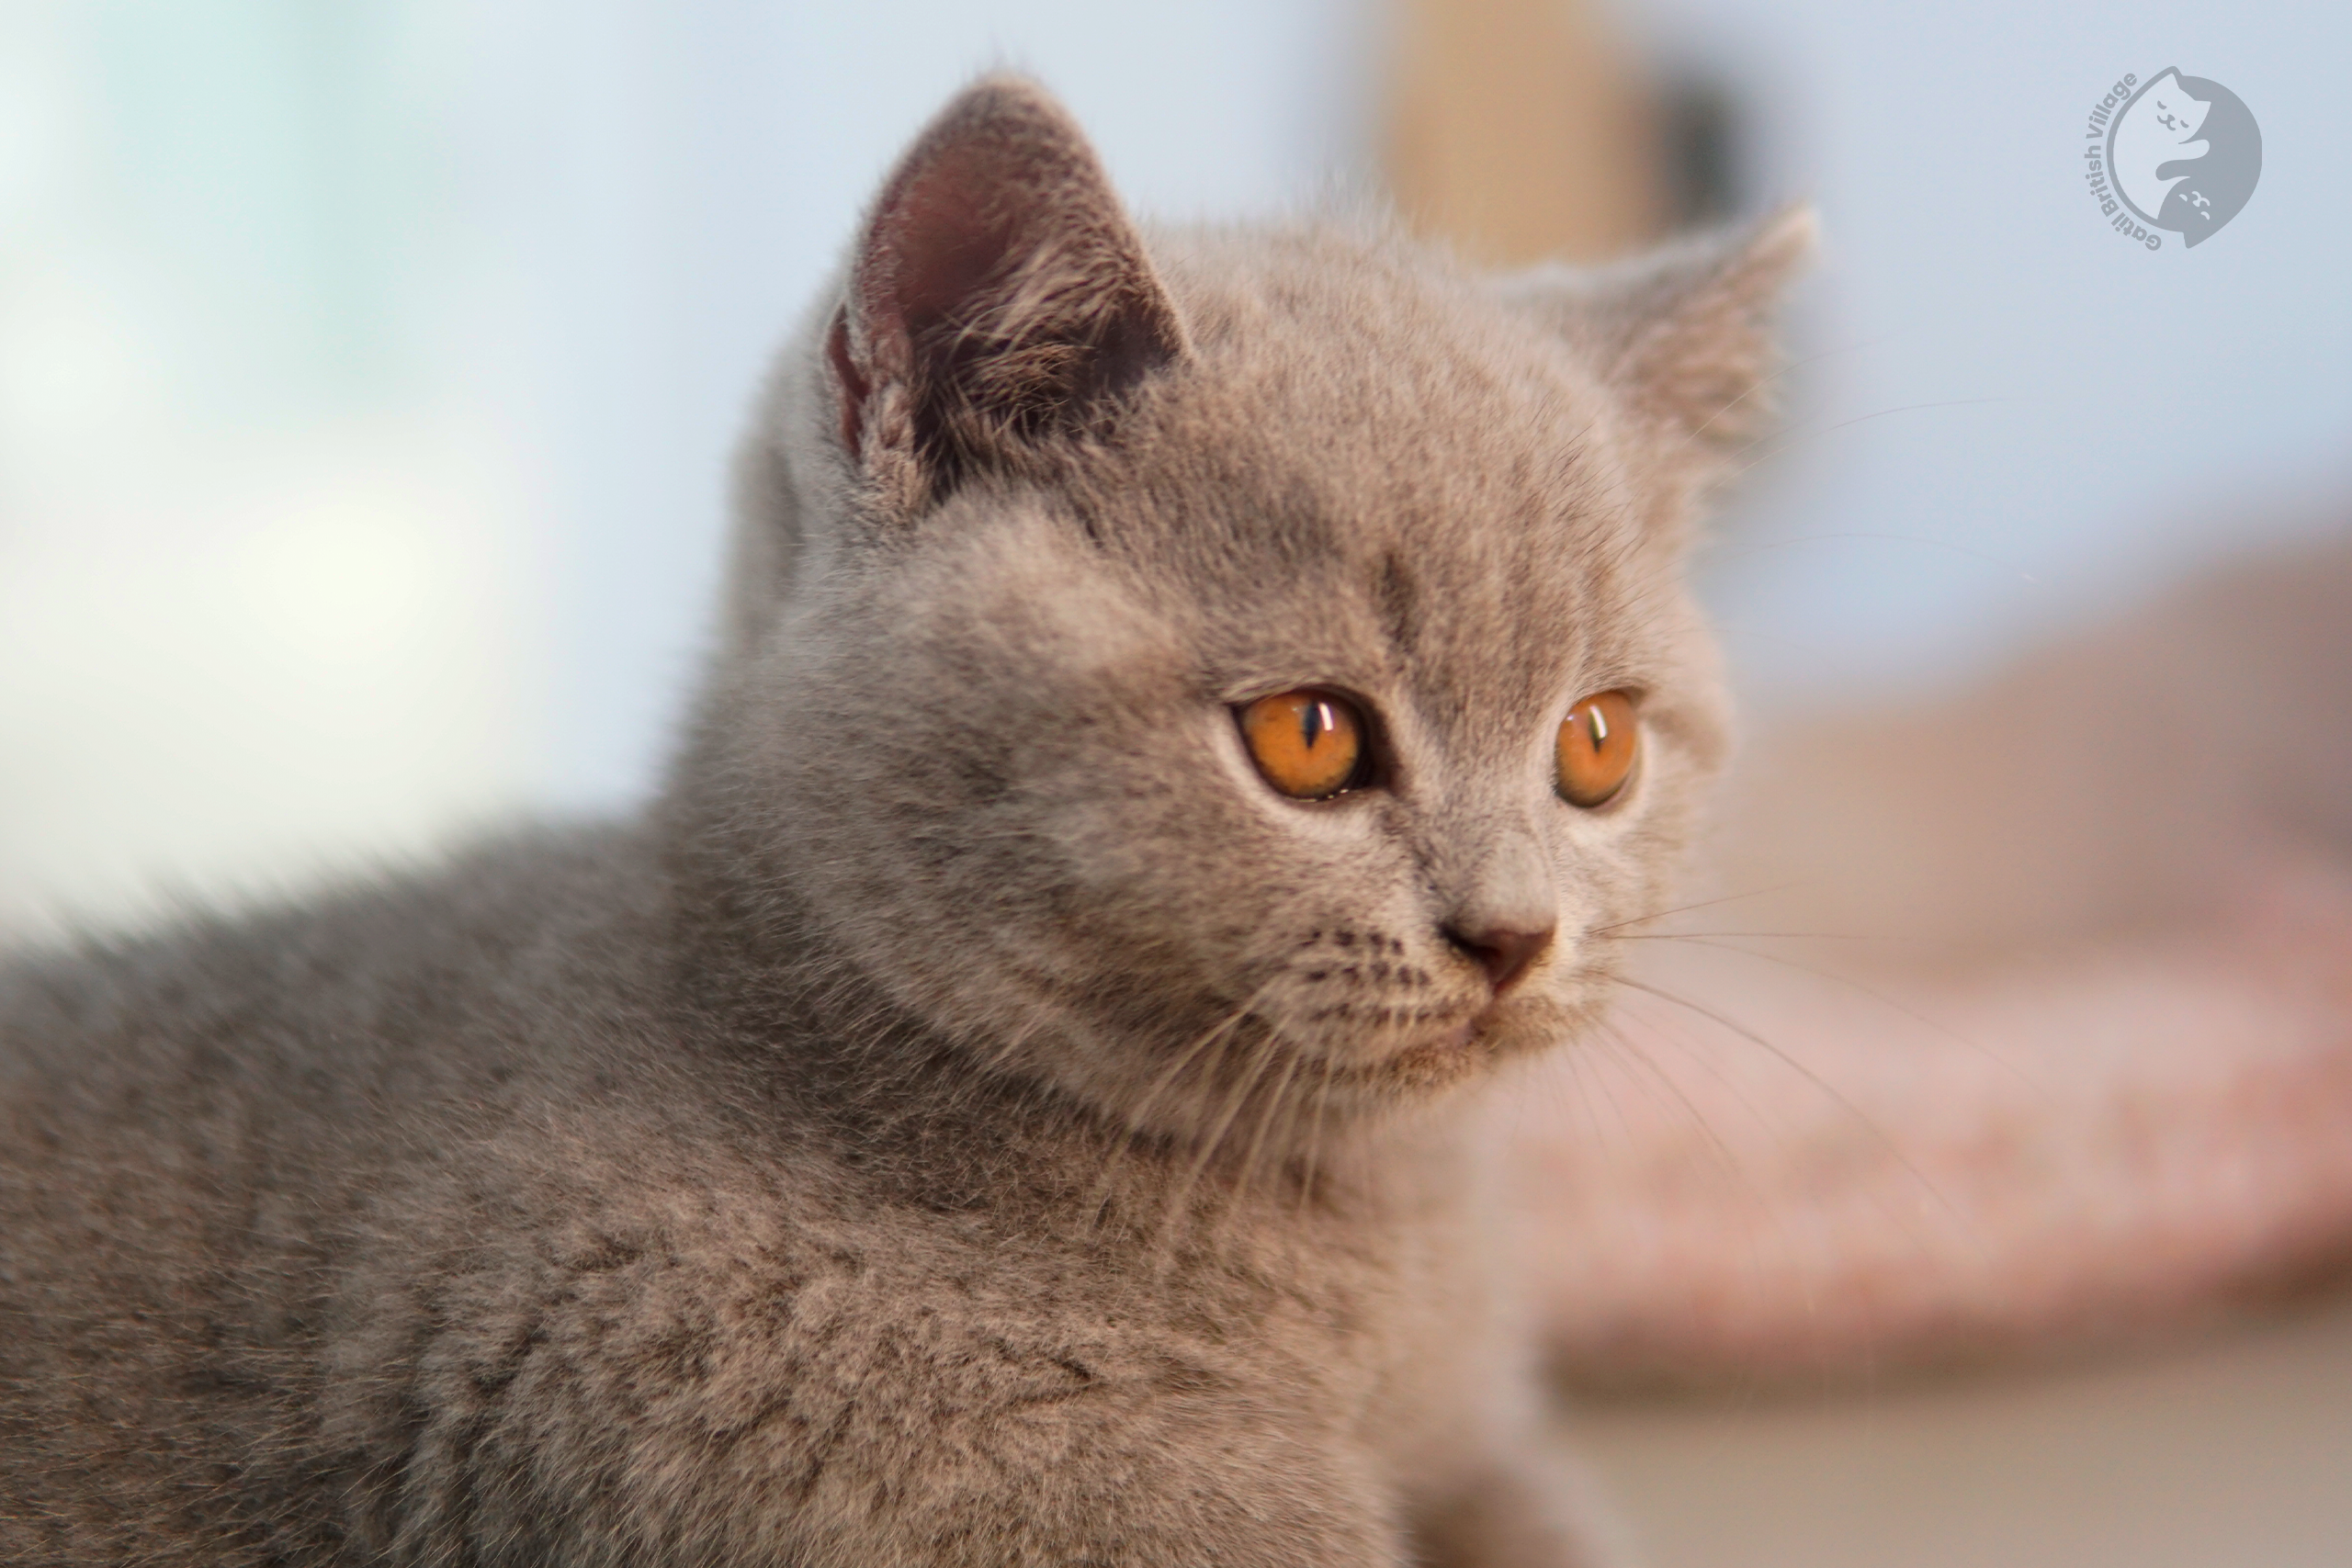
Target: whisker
{"x": 1687, "y": 909}
{"x": 1175, "y": 1194}
{"x": 1266, "y": 1118}
{"x": 1583, "y": 1098}
{"x": 1762, "y": 383}
{"x": 1780, "y": 1129}
{"x": 1625, "y": 1050}
{"x": 1136, "y": 1129}
{"x": 1725, "y": 1159}
{"x": 1784, "y": 1133}
{"x": 1749, "y": 936}
{"x": 1791, "y": 438}
{"x": 1181, "y": 1194}
{"x": 1859, "y": 1115}
{"x": 1313, "y": 1170}
{"x": 1625, "y": 1122}
{"x": 1859, "y": 989}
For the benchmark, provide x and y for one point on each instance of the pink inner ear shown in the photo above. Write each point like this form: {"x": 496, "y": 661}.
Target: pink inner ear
{"x": 940, "y": 243}
{"x": 854, "y": 388}
{"x": 942, "y": 235}
{"x": 1000, "y": 297}
{"x": 932, "y": 251}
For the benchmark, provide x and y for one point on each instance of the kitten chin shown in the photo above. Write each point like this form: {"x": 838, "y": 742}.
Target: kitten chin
{"x": 853, "y": 1161}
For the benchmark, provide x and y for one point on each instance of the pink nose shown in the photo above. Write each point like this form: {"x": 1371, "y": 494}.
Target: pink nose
{"x": 1504, "y": 952}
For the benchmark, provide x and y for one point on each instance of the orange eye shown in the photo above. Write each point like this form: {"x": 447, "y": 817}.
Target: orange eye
{"x": 1308, "y": 744}
{"x": 1596, "y": 745}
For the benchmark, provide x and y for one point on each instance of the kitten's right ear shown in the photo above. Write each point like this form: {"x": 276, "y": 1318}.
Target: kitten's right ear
{"x": 1685, "y": 334}
{"x": 999, "y": 301}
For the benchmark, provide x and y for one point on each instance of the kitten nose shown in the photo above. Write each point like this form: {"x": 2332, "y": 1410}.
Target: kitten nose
{"x": 1503, "y": 951}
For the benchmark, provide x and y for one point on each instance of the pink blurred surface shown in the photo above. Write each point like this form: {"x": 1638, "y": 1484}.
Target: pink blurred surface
{"x": 1796, "y": 1176}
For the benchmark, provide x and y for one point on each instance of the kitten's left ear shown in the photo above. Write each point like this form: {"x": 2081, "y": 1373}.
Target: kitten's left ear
{"x": 1685, "y": 334}
{"x": 999, "y": 301}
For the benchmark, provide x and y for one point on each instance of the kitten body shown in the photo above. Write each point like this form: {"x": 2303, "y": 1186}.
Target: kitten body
{"x": 971, "y": 1118}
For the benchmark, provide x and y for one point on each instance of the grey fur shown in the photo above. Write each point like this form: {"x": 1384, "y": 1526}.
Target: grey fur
{"x": 971, "y": 1119}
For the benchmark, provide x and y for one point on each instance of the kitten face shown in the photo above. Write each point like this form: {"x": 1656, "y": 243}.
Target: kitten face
{"x": 991, "y": 735}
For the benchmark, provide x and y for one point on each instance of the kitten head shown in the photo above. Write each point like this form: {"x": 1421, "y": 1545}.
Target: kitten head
{"x": 1147, "y": 662}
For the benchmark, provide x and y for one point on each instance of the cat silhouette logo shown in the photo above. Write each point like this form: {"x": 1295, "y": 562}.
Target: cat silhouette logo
{"x": 2175, "y": 152}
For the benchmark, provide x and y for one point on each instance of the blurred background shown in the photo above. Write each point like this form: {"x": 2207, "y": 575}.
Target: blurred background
{"x": 367, "y": 372}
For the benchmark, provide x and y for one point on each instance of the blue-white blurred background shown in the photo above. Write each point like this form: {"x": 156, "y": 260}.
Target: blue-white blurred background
{"x": 367, "y": 368}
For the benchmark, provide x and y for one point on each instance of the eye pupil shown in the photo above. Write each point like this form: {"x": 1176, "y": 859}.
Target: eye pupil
{"x": 1312, "y": 721}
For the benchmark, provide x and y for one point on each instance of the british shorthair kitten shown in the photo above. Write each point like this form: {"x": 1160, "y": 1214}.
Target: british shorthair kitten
{"x": 1187, "y": 701}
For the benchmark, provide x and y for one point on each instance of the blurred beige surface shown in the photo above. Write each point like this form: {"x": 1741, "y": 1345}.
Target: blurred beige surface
{"x": 1521, "y": 130}
{"x": 2235, "y": 1452}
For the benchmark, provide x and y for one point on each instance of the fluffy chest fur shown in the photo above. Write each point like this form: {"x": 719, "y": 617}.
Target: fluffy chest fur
{"x": 525, "y": 1256}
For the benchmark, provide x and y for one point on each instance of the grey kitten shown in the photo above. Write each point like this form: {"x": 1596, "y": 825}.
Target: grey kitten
{"x": 1009, "y": 1101}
